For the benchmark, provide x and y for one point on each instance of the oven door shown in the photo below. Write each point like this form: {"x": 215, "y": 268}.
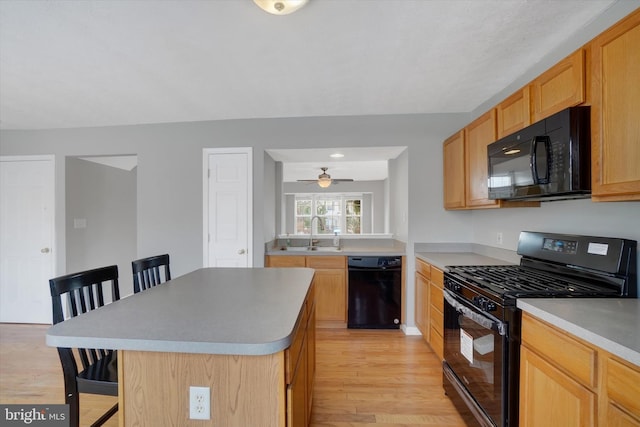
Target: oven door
{"x": 475, "y": 346}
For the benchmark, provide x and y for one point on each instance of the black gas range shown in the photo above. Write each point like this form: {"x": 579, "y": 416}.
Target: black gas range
{"x": 482, "y": 322}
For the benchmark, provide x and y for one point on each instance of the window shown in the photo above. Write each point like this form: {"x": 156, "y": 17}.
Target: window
{"x": 336, "y": 213}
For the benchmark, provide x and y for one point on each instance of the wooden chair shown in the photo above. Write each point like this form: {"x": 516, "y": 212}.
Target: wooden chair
{"x": 147, "y": 272}
{"x": 83, "y": 292}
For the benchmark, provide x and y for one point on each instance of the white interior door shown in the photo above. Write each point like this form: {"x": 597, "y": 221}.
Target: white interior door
{"x": 27, "y": 238}
{"x": 228, "y": 207}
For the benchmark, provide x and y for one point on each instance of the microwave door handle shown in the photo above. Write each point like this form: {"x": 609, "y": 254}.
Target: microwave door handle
{"x": 534, "y": 159}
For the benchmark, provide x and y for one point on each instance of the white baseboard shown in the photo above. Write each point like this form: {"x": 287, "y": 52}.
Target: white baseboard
{"x": 410, "y": 330}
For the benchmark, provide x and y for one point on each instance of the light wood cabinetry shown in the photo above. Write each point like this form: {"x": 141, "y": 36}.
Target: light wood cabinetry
{"x": 466, "y": 170}
{"x": 454, "y": 172}
{"x": 246, "y": 390}
{"x": 514, "y": 113}
{"x": 615, "y": 140}
{"x": 560, "y": 87}
{"x": 567, "y": 381}
{"x": 429, "y": 305}
{"x": 436, "y": 309}
{"x": 331, "y": 284}
{"x": 300, "y": 365}
{"x": 423, "y": 274}
{"x": 478, "y": 134}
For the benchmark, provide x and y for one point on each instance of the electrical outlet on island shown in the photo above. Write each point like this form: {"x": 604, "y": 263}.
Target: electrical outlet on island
{"x": 199, "y": 403}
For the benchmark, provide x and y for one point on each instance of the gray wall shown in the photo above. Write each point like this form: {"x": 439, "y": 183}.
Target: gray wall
{"x": 106, "y": 198}
{"x": 169, "y": 215}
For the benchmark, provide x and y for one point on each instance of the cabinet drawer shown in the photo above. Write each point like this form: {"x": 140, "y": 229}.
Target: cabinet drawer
{"x": 576, "y": 359}
{"x": 285, "y": 261}
{"x": 436, "y": 342}
{"x": 437, "y": 320}
{"x": 327, "y": 262}
{"x": 423, "y": 268}
{"x": 436, "y": 298}
{"x": 437, "y": 277}
{"x": 623, "y": 386}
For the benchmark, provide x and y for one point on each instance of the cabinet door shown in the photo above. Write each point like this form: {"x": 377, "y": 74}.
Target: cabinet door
{"x": 454, "y": 176}
{"x": 422, "y": 305}
{"x": 480, "y": 133}
{"x": 549, "y": 397}
{"x": 331, "y": 295}
{"x": 615, "y": 143}
{"x": 297, "y": 394}
{"x": 560, "y": 87}
{"x": 514, "y": 113}
{"x": 311, "y": 358}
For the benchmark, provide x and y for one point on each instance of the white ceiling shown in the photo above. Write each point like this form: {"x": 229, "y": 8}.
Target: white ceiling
{"x": 359, "y": 164}
{"x": 101, "y": 63}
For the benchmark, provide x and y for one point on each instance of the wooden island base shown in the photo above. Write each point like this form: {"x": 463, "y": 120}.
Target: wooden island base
{"x": 245, "y": 390}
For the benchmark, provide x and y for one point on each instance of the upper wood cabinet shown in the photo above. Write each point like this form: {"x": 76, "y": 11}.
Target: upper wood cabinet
{"x": 615, "y": 113}
{"x": 454, "y": 175}
{"x": 560, "y": 87}
{"x": 480, "y": 133}
{"x": 514, "y": 113}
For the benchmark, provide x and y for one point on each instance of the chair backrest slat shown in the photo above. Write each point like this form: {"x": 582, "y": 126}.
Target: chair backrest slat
{"x": 147, "y": 272}
{"x": 83, "y": 292}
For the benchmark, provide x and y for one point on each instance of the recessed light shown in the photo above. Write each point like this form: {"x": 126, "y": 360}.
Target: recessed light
{"x": 336, "y": 155}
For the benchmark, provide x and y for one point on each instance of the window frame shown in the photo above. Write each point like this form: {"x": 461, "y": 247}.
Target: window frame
{"x": 342, "y": 198}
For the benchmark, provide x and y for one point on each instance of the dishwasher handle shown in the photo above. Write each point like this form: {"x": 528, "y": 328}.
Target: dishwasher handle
{"x": 384, "y": 268}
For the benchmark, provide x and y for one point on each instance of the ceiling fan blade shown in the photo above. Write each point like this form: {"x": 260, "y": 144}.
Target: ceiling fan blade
{"x": 342, "y": 180}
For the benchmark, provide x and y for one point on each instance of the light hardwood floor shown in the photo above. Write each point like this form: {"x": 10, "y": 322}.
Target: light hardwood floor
{"x": 364, "y": 378}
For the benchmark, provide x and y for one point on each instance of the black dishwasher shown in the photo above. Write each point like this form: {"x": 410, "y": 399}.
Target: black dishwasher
{"x": 375, "y": 284}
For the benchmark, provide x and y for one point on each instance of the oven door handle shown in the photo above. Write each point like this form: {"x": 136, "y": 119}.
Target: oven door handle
{"x": 483, "y": 319}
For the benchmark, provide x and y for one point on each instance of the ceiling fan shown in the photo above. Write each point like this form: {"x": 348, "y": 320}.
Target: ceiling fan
{"x": 324, "y": 179}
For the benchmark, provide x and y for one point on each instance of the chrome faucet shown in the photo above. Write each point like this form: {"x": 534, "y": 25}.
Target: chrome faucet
{"x": 311, "y": 247}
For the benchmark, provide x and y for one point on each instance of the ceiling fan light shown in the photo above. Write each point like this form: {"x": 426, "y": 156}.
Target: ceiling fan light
{"x": 324, "y": 181}
{"x": 280, "y": 7}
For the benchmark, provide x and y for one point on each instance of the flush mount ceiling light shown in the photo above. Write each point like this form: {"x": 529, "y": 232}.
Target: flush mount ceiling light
{"x": 280, "y": 7}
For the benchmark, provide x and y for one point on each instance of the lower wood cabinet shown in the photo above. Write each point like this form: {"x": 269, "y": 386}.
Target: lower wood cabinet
{"x": 273, "y": 390}
{"x": 429, "y": 305}
{"x": 565, "y": 381}
{"x": 330, "y": 284}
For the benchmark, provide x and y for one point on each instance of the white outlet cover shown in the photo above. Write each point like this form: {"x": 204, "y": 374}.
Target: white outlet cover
{"x": 199, "y": 403}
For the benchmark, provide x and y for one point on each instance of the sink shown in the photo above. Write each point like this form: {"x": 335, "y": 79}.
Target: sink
{"x": 315, "y": 249}
{"x": 296, "y": 249}
{"x": 326, "y": 249}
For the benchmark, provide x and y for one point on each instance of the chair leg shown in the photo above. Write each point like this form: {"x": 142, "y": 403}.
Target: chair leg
{"x": 105, "y": 417}
{"x": 73, "y": 400}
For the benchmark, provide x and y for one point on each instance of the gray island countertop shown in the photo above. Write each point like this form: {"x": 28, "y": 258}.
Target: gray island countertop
{"x": 609, "y": 323}
{"x": 244, "y": 311}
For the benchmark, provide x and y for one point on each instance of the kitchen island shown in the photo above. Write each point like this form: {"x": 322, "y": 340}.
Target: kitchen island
{"x": 247, "y": 334}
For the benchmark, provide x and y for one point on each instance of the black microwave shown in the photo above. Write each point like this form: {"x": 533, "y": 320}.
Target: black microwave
{"x": 549, "y": 160}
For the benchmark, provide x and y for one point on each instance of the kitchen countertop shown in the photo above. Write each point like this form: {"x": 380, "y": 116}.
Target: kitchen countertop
{"x": 442, "y": 259}
{"x": 609, "y": 323}
{"x": 243, "y": 311}
{"x": 351, "y": 251}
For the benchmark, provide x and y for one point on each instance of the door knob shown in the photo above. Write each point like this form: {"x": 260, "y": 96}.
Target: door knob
{"x": 45, "y": 250}
{"x": 241, "y": 252}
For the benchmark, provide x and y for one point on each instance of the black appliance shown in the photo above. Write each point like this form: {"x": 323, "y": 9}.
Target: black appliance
{"x": 482, "y": 323}
{"x": 375, "y": 292}
{"x": 549, "y": 160}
